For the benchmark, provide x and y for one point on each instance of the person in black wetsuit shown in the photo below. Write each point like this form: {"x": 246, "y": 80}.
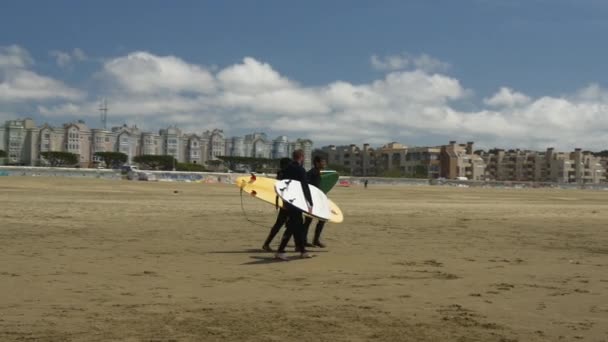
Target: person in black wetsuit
{"x": 282, "y": 216}
{"x": 295, "y": 224}
{"x": 314, "y": 178}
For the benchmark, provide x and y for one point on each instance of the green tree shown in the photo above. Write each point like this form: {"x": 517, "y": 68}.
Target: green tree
{"x": 421, "y": 171}
{"x": 603, "y": 153}
{"x": 154, "y": 162}
{"x": 112, "y": 159}
{"x": 392, "y": 173}
{"x": 2, "y": 154}
{"x": 60, "y": 158}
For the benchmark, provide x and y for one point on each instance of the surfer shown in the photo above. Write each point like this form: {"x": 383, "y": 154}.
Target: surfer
{"x": 314, "y": 178}
{"x": 295, "y": 225}
{"x": 282, "y": 215}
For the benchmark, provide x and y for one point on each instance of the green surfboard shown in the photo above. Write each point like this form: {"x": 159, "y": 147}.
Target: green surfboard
{"x": 329, "y": 178}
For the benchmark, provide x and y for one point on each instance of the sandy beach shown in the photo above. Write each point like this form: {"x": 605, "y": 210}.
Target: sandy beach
{"x": 100, "y": 260}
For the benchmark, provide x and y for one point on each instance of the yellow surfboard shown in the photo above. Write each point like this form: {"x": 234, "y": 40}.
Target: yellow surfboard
{"x": 263, "y": 188}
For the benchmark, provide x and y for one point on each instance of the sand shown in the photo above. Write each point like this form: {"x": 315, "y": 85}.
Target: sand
{"x": 100, "y": 260}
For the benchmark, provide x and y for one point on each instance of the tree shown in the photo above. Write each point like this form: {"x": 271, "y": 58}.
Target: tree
{"x": 60, "y": 158}
{"x": 421, "y": 171}
{"x": 154, "y": 162}
{"x": 112, "y": 159}
{"x": 392, "y": 173}
{"x": 2, "y": 154}
{"x": 603, "y": 153}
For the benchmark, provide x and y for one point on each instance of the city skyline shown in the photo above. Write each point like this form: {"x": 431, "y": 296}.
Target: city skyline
{"x": 278, "y": 135}
{"x": 24, "y": 141}
{"x": 525, "y": 74}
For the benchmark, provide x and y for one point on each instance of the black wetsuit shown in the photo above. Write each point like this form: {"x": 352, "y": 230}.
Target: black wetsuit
{"x": 314, "y": 178}
{"x": 295, "y": 225}
{"x": 281, "y": 218}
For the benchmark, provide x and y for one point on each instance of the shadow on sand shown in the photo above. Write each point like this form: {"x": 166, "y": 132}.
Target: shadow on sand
{"x": 270, "y": 260}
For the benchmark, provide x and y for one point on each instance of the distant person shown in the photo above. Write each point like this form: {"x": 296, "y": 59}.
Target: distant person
{"x": 282, "y": 216}
{"x": 295, "y": 225}
{"x": 365, "y": 183}
{"x": 314, "y": 178}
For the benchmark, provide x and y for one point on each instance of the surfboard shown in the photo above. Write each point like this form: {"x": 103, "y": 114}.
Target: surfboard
{"x": 291, "y": 192}
{"x": 262, "y": 188}
{"x": 329, "y": 178}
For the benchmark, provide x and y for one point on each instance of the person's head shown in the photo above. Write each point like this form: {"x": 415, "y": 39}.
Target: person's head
{"x": 284, "y": 162}
{"x": 319, "y": 162}
{"x": 298, "y": 156}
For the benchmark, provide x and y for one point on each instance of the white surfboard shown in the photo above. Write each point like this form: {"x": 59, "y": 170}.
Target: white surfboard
{"x": 290, "y": 191}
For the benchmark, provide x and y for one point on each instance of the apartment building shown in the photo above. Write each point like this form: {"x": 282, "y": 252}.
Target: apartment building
{"x": 18, "y": 137}
{"x": 549, "y": 166}
{"x": 346, "y": 156}
{"x": 457, "y": 161}
{"x": 391, "y": 158}
{"x": 280, "y": 147}
{"x": 359, "y": 161}
{"x": 24, "y": 142}
{"x": 423, "y": 162}
{"x": 192, "y": 144}
{"x": 151, "y": 144}
{"x": 216, "y": 143}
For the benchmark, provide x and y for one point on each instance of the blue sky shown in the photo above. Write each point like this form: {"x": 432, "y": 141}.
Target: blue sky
{"x": 508, "y": 66}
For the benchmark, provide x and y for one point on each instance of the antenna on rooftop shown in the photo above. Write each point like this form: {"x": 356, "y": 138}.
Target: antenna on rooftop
{"x": 103, "y": 108}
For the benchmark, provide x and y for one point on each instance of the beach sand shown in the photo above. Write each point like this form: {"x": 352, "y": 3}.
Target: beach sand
{"x": 99, "y": 260}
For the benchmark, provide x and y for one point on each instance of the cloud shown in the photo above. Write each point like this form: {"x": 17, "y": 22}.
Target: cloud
{"x": 20, "y": 84}
{"x": 14, "y": 56}
{"x": 145, "y": 73}
{"x": 24, "y": 85}
{"x": 66, "y": 58}
{"x": 507, "y": 97}
{"x": 406, "y": 61}
{"x": 413, "y": 106}
{"x": 252, "y": 76}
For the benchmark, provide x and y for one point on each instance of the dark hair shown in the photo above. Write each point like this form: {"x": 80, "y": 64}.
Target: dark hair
{"x": 297, "y": 154}
{"x": 317, "y": 159}
{"x": 284, "y": 162}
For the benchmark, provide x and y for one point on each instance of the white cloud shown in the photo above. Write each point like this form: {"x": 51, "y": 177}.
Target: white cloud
{"x": 14, "y": 56}
{"x": 66, "y": 58}
{"x": 406, "y": 61}
{"x": 19, "y": 84}
{"x": 252, "y": 76}
{"x": 406, "y": 105}
{"x": 145, "y": 73}
{"x": 507, "y": 97}
{"x": 63, "y": 59}
{"x": 25, "y": 85}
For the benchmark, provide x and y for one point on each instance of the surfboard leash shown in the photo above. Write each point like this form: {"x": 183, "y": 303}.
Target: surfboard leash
{"x": 245, "y": 213}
